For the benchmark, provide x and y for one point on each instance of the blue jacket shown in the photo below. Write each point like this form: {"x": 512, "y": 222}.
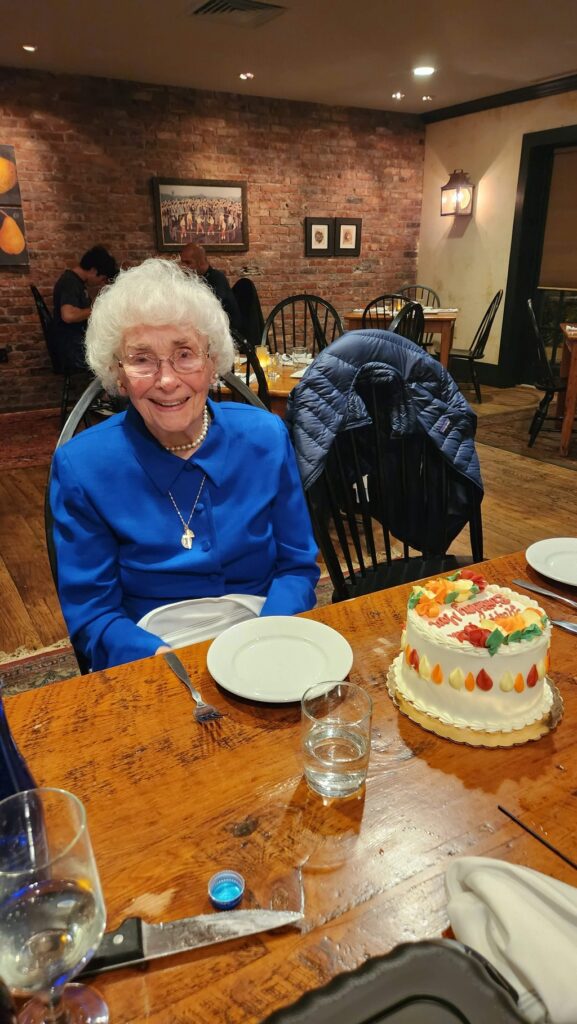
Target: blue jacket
{"x": 422, "y": 398}
{"x": 117, "y": 533}
{"x": 419, "y": 389}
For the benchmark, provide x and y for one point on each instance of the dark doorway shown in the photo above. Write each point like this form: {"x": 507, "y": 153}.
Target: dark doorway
{"x": 526, "y": 246}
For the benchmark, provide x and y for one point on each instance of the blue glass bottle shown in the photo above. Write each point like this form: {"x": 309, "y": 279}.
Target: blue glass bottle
{"x": 15, "y": 774}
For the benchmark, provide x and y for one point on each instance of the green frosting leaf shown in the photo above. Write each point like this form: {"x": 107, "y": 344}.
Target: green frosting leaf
{"x": 454, "y": 576}
{"x": 414, "y": 599}
{"x": 451, "y": 596}
{"x": 524, "y": 634}
{"x": 494, "y": 641}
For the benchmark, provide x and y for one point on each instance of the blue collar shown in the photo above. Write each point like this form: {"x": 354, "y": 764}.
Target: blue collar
{"x": 163, "y": 467}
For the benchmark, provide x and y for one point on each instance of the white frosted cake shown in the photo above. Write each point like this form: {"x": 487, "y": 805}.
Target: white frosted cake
{"x": 474, "y": 655}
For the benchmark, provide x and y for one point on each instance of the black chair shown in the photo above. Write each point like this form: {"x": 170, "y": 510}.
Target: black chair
{"x": 250, "y": 310}
{"x": 48, "y": 331}
{"x": 410, "y": 323}
{"x": 544, "y": 378}
{"x": 301, "y": 320}
{"x": 476, "y": 351}
{"x": 237, "y": 391}
{"x": 77, "y": 418}
{"x": 378, "y": 490}
{"x": 421, "y": 293}
{"x": 427, "y": 297}
{"x": 384, "y": 305}
{"x": 252, "y": 367}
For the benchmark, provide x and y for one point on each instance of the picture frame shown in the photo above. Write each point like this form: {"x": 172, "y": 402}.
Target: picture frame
{"x": 207, "y": 211}
{"x": 13, "y": 245}
{"x": 319, "y": 236}
{"x": 9, "y": 184}
{"x": 348, "y": 236}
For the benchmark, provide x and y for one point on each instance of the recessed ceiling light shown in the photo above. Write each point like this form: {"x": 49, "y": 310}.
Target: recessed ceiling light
{"x": 426, "y": 99}
{"x": 246, "y": 75}
{"x": 30, "y": 49}
{"x": 398, "y": 96}
{"x": 424, "y": 72}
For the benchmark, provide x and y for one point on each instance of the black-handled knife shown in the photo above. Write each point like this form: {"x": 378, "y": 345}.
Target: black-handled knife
{"x": 135, "y": 941}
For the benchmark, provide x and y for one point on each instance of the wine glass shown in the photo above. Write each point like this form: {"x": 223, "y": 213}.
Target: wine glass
{"x": 52, "y": 913}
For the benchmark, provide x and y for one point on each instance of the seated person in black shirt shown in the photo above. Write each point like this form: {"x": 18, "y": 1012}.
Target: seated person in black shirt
{"x": 72, "y": 303}
{"x": 194, "y": 257}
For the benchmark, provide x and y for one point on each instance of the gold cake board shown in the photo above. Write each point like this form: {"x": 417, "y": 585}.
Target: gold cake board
{"x": 476, "y": 737}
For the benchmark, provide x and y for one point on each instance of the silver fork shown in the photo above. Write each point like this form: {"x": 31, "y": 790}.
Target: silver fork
{"x": 203, "y": 712}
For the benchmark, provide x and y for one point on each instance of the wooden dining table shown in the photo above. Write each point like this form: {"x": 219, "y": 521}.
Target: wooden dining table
{"x": 567, "y": 400}
{"x": 171, "y": 801}
{"x": 442, "y": 323}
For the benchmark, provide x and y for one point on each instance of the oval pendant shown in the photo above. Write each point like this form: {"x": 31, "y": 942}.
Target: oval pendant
{"x": 187, "y": 539}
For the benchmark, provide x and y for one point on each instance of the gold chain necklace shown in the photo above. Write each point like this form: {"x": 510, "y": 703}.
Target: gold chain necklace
{"x": 188, "y": 535}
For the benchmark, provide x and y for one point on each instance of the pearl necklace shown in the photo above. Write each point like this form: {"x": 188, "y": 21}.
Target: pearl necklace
{"x": 197, "y": 440}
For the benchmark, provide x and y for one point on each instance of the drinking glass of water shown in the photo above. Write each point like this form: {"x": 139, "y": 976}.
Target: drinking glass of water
{"x": 336, "y": 737}
{"x": 52, "y": 914}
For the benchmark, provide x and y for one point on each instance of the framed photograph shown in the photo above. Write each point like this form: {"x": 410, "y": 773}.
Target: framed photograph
{"x": 9, "y": 187}
{"x": 319, "y": 236}
{"x": 13, "y": 248}
{"x": 348, "y": 236}
{"x": 211, "y": 213}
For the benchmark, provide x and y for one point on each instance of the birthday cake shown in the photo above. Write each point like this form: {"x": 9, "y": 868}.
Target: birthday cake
{"x": 474, "y": 655}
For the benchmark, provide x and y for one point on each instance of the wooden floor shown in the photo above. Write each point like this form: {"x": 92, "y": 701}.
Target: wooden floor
{"x": 524, "y": 502}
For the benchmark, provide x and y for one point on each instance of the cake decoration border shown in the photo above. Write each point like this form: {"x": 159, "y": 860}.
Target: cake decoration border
{"x": 478, "y": 737}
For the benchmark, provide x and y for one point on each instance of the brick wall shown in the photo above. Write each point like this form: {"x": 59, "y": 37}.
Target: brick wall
{"x": 86, "y": 149}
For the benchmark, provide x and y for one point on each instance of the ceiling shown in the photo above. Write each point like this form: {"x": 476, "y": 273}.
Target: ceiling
{"x": 338, "y": 52}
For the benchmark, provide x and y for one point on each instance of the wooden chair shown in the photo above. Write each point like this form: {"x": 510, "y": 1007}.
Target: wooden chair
{"x": 544, "y": 378}
{"x": 305, "y": 320}
{"x": 252, "y": 367}
{"x": 427, "y": 297}
{"x": 49, "y": 334}
{"x": 476, "y": 351}
{"x": 410, "y": 323}
{"x": 373, "y": 488}
{"x": 374, "y": 311}
{"x": 421, "y": 293}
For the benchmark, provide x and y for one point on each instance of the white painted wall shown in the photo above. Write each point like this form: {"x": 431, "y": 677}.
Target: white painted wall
{"x": 466, "y": 259}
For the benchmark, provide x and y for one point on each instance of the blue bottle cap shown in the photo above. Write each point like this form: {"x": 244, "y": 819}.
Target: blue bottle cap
{"x": 226, "y": 889}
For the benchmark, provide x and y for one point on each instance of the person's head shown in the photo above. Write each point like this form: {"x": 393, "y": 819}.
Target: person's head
{"x": 98, "y": 265}
{"x": 156, "y": 310}
{"x": 194, "y": 257}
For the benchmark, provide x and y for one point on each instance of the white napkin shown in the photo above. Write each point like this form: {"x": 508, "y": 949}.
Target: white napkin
{"x": 299, "y": 373}
{"x": 203, "y": 618}
{"x": 525, "y": 924}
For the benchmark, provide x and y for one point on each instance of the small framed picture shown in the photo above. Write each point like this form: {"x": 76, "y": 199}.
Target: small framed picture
{"x": 319, "y": 236}
{"x": 348, "y": 236}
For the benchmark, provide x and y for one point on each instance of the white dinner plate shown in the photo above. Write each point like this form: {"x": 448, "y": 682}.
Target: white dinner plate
{"x": 276, "y": 658}
{"x": 555, "y": 558}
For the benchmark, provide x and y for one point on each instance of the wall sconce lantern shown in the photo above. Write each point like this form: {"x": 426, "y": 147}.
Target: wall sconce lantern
{"x": 457, "y": 195}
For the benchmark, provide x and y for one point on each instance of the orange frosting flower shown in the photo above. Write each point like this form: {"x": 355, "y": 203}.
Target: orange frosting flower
{"x": 510, "y": 623}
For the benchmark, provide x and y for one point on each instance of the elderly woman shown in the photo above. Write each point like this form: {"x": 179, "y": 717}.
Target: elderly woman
{"x": 178, "y": 497}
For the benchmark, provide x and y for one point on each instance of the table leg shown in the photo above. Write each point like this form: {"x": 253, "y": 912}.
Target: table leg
{"x": 570, "y": 403}
{"x": 447, "y": 329}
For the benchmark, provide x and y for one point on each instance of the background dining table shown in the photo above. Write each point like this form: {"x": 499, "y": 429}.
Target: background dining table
{"x": 440, "y": 322}
{"x": 171, "y": 801}
{"x": 567, "y": 400}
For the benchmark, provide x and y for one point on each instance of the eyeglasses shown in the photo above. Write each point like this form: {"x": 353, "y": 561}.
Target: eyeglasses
{"x": 144, "y": 364}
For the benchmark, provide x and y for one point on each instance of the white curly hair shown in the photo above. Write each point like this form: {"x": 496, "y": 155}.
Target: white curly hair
{"x": 158, "y": 292}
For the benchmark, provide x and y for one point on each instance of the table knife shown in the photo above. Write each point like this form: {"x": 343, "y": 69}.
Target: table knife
{"x": 136, "y": 942}
{"x": 545, "y": 593}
